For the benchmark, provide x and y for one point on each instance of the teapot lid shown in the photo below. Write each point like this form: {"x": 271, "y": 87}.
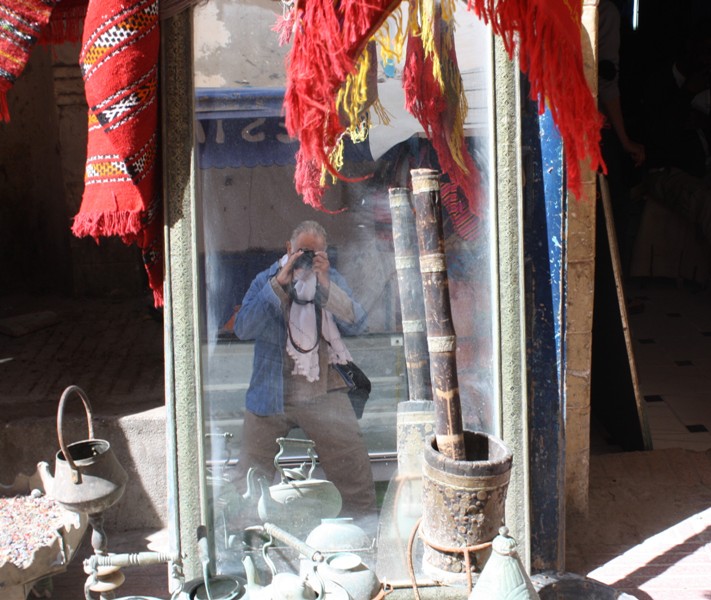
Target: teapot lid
{"x": 344, "y": 561}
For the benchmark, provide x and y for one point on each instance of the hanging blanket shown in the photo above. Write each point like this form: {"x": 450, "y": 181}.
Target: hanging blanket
{"x": 119, "y": 63}
{"x": 24, "y": 23}
{"x": 21, "y": 25}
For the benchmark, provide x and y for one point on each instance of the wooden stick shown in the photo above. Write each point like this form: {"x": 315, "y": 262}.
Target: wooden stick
{"x": 441, "y": 340}
{"x": 412, "y": 305}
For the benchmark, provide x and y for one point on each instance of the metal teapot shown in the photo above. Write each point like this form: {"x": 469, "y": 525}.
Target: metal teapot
{"x": 298, "y": 502}
{"x": 87, "y": 476}
{"x": 348, "y": 571}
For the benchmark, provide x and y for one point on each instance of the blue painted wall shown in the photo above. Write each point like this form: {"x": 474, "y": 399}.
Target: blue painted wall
{"x": 544, "y": 204}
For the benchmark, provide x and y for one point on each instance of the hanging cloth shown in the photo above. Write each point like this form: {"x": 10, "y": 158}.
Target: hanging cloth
{"x": 547, "y": 34}
{"x": 122, "y": 193}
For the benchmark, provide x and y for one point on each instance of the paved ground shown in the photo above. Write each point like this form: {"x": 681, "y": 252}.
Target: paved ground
{"x": 111, "y": 347}
{"x": 648, "y": 531}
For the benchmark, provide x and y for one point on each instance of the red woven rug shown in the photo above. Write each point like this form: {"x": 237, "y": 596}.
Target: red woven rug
{"x": 22, "y": 23}
{"x": 119, "y": 63}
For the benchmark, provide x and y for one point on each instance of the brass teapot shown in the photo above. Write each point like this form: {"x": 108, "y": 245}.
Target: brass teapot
{"x": 87, "y": 476}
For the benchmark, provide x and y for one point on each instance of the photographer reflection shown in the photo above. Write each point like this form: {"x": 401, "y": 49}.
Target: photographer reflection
{"x": 296, "y": 311}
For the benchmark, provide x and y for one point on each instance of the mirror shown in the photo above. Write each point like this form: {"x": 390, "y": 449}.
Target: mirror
{"x": 247, "y": 211}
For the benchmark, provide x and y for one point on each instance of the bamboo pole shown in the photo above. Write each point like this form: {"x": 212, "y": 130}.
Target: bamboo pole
{"x": 441, "y": 340}
{"x": 411, "y": 301}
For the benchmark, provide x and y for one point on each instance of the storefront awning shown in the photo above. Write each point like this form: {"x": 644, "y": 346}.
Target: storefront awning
{"x": 245, "y": 128}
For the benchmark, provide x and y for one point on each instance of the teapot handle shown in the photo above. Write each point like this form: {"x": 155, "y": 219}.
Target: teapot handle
{"x": 310, "y": 450}
{"x": 60, "y": 415}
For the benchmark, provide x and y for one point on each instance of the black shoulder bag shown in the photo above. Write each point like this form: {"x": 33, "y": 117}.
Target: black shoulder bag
{"x": 358, "y": 385}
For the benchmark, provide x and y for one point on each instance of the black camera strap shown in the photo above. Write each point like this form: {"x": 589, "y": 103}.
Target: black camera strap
{"x": 319, "y": 317}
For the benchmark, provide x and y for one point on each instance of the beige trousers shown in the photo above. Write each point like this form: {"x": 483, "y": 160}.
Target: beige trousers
{"x": 330, "y": 422}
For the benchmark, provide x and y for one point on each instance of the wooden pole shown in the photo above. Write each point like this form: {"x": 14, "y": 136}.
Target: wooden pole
{"x": 412, "y": 306}
{"x": 441, "y": 340}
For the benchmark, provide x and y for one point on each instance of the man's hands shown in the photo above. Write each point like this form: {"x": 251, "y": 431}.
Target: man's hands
{"x": 320, "y": 267}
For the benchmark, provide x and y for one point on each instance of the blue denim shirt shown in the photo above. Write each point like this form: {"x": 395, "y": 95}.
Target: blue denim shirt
{"x": 261, "y": 318}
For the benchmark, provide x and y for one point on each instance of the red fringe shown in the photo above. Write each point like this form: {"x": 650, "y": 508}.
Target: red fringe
{"x": 131, "y": 227}
{"x": 66, "y": 23}
{"x": 126, "y": 224}
{"x": 425, "y": 100}
{"x": 547, "y": 33}
{"x": 327, "y": 42}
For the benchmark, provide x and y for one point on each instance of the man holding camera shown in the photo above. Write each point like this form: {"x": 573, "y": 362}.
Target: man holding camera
{"x": 296, "y": 311}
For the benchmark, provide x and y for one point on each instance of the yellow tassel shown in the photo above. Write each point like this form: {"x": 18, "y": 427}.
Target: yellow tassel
{"x": 448, "y": 9}
{"x": 413, "y": 18}
{"x": 392, "y": 46}
{"x": 353, "y": 95}
{"x": 455, "y": 92}
{"x": 427, "y": 10}
{"x": 336, "y": 157}
{"x": 424, "y": 21}
{"x": 383, "y": 115}
{"x": 359, "y": 133}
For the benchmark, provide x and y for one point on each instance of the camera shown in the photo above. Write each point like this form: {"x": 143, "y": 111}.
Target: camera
{"x": 306, "y": 260}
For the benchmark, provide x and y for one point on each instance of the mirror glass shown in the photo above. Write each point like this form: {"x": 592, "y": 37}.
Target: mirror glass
{"x": 266, "y": 373}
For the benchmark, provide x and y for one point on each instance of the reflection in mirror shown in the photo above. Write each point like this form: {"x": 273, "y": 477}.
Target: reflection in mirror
{"x": 284, "y": 444}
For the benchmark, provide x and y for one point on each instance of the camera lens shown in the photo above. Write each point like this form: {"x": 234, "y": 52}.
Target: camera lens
{"x": 305, "y": 261}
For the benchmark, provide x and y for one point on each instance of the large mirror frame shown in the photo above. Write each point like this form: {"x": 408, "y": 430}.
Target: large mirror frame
{"x": 188, "y": 498}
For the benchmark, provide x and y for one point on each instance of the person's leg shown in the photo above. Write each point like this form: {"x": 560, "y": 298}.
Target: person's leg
{"x": 259, "y": 447}
{"x": 330, "y": 422}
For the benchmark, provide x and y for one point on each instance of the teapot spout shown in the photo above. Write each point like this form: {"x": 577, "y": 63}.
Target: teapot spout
{"x": 251, "y": 494}
{"x": 46, "y": 477}
{"x": 267, "y": 508}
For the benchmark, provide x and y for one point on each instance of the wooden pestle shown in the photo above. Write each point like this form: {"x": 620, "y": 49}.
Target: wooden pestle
{"x": 412, "y": 306}
{"x": 441, "y": 339}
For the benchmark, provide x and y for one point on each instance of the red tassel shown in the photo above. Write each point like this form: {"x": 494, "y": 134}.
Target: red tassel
{"x": 327, "y": 42}
{"x": 66, "y": 23}
{"x": 426, "y": 101}
{"x": 547, "y": 33}
{"x": 122, "y": 194}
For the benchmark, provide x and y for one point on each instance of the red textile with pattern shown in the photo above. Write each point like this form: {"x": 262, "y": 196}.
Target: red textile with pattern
{"x": 119, "y": 63}
{"x": 22, "y": 24}
{"x": 547, "y": 35}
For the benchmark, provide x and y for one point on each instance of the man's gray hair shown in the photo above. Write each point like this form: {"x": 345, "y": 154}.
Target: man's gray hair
{"x": 308, "y": 227}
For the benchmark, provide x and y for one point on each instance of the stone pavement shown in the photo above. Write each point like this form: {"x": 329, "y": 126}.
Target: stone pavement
{"x": 110, "y": 347}
{"x": 647, "y": 533}
{"x": 648, "y": 530}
